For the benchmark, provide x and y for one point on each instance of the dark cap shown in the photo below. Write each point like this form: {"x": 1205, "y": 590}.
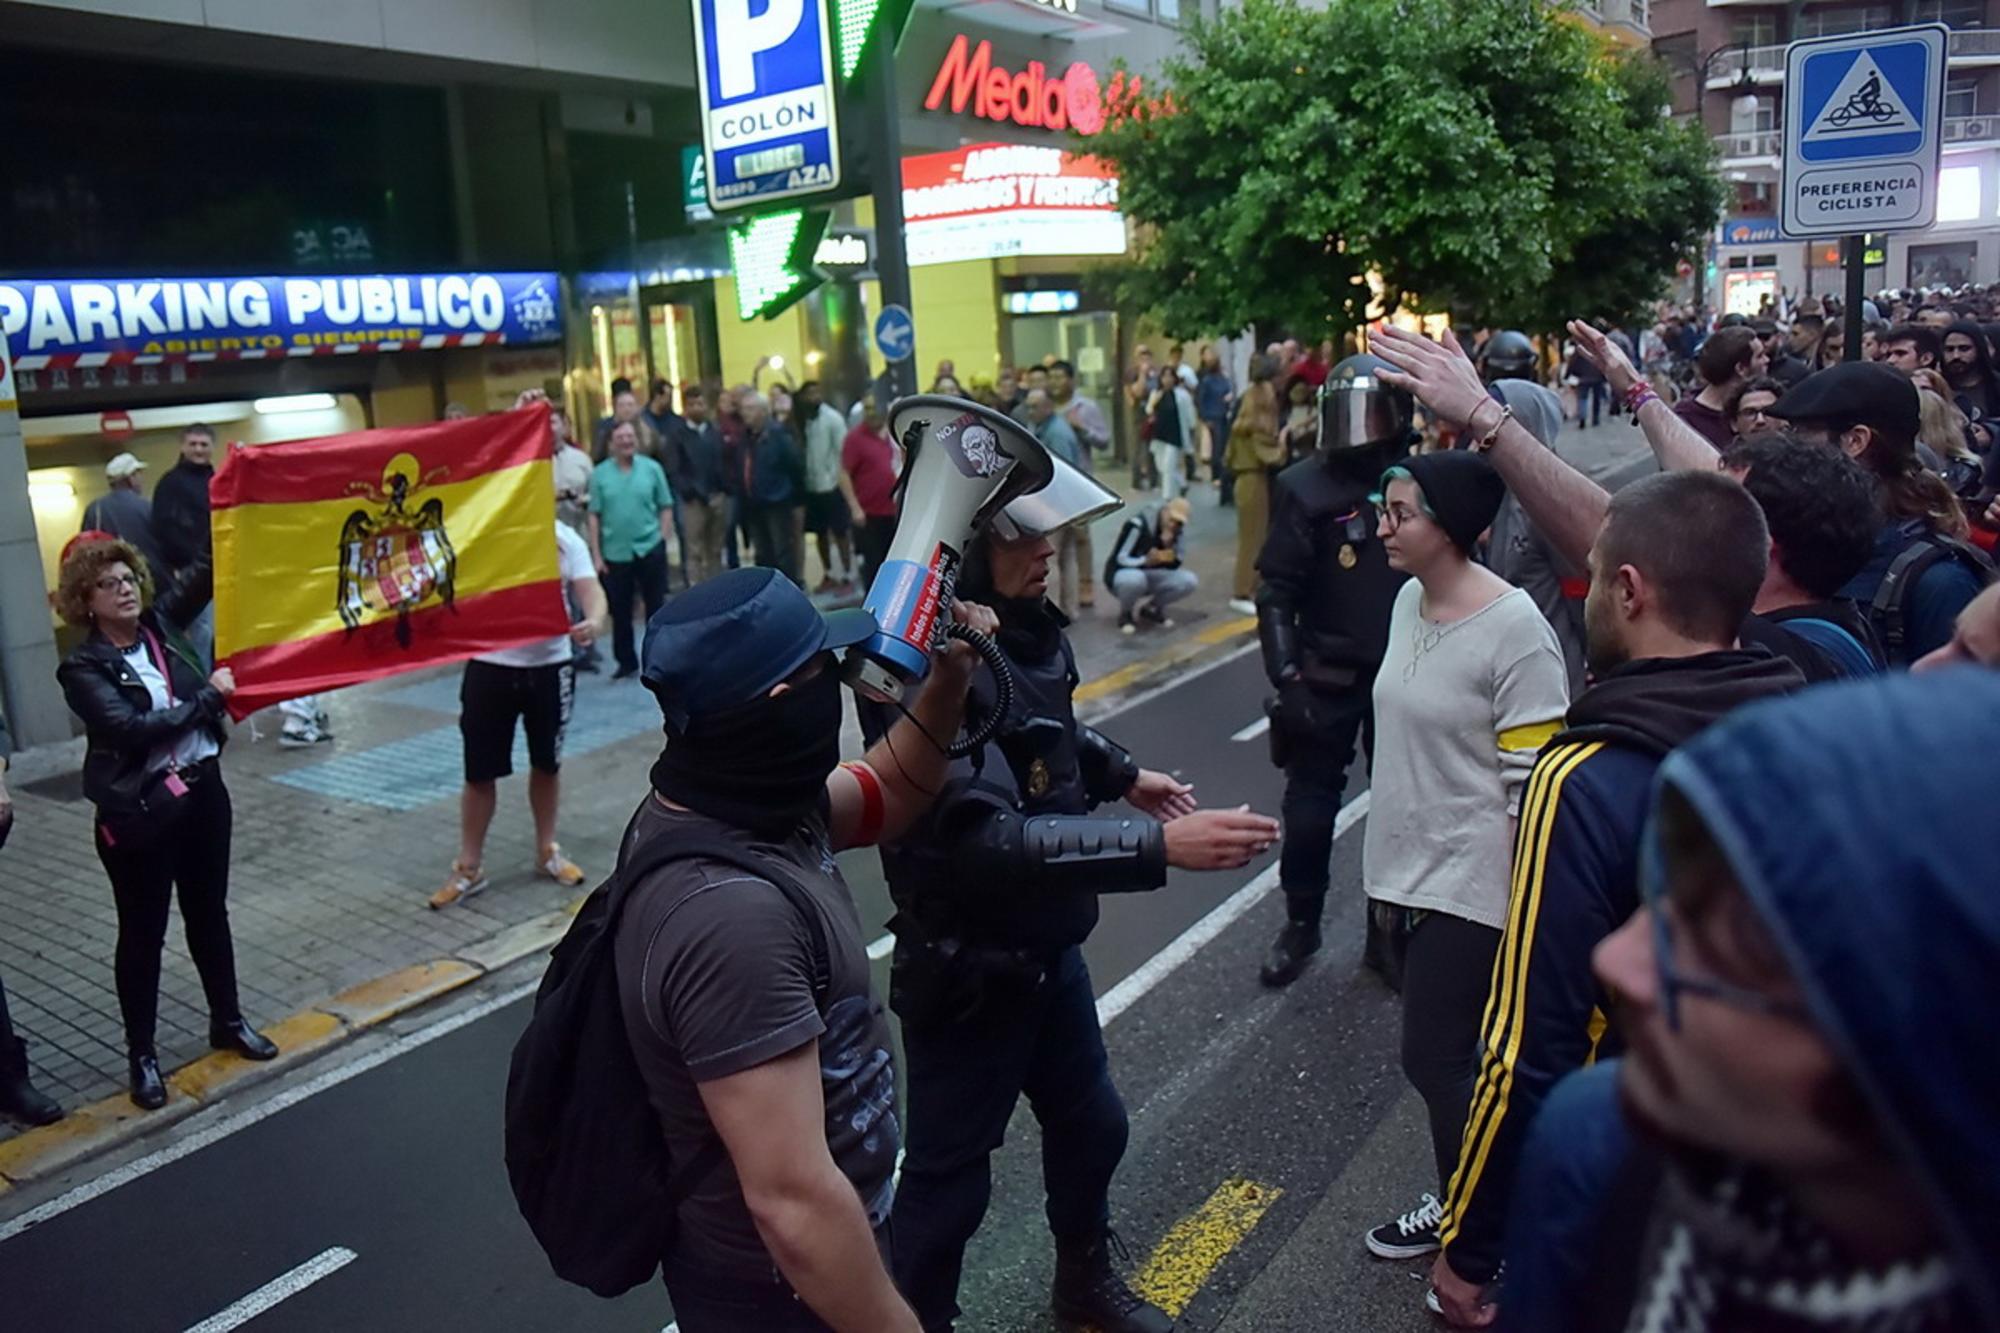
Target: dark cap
{"x": 1461, "y": 488}
{"x": 1861, "y": 393}
{"x": 730, "y": 638}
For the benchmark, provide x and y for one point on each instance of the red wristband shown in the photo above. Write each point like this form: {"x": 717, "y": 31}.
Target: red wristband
{"x": 1638, "y": 396}
{"x": 873, "y": 809}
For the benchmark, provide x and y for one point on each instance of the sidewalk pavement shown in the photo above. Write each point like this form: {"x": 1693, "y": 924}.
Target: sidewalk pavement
{"x": 336, "y": 849}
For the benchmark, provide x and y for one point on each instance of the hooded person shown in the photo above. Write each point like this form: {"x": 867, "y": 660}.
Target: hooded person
{"x": 1674, "y": 571}
{"x": 1819, "y": 1126}
{"x": 754, "y": 1024}
{"x": 1520, "y": 554}
{"x": 996, "y": 890}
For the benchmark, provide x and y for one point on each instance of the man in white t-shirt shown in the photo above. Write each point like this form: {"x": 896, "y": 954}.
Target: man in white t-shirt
{"x": 534, "y": 684}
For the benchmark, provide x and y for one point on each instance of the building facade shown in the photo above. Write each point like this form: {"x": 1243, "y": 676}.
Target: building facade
{"x": 288, "y": 218}
{"x": 1728, "y": 60}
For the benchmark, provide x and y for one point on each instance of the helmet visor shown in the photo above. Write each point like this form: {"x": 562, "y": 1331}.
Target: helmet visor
{"x": 1359, "y": 412}
{"x": 1071, "y": 497}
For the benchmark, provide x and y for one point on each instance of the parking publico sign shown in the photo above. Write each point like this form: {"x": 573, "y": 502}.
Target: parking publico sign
{"x": 1863, "y": 131}
{"x": 767, "y": 100}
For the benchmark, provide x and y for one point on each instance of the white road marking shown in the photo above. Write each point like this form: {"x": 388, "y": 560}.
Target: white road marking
{"x": 1192, "y": 940}
{"x": 1253, "y": 731}
{"x": 226, "y": 1125}
{"x": 276, "y": 1290}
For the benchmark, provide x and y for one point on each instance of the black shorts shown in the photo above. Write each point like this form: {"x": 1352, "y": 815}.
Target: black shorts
{"x": 826, "y": 511}
{"x": 492, "y": 696}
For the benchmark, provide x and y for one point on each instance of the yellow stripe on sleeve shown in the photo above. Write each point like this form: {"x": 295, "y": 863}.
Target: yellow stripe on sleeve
{"x": 1532, "y": 736}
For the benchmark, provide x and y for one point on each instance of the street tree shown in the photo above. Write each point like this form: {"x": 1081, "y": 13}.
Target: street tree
{"x": 1491, "y": 157}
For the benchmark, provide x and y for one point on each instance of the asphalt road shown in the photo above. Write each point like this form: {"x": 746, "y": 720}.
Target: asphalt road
{"x": 380, "y": 1203}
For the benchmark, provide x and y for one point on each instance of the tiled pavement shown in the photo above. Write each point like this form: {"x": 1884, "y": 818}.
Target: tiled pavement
{"x": 337, "y": 848}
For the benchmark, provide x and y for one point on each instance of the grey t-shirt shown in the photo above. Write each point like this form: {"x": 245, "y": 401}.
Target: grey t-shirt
{"x": 716, "y": 969}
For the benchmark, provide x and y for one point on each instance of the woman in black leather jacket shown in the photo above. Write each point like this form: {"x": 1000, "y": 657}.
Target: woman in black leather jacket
{"x": 152, "y": 769}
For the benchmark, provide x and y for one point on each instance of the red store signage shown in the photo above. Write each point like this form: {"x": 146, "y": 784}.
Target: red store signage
{"x": 1033, "y": 98}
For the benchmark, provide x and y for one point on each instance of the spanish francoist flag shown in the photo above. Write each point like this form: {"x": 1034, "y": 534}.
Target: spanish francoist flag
{"x": 356, "y": 556}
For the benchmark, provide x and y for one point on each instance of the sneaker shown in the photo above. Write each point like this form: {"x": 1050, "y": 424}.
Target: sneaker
{"x": 302, "y": 738}
{"x": 462, "y": 884}
{"x": 1153, "y": 615}
{"x": 1413, "y": 1234}
{"x": 1243, "y": 606}
{"x": 1125, "y": 623}
{"x": 1432, "y": 1303}
{"x": 560, "y": 868}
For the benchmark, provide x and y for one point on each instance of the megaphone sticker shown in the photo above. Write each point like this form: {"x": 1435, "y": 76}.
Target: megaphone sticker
{"x": 973, "y": 447}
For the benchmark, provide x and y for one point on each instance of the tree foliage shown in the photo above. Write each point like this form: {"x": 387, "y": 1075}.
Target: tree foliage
{"x": 1490, "y": 157}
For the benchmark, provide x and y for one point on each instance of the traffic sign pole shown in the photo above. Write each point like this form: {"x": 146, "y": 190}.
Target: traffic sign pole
{"x": 1857, "y": 257}
{"x": 892, "y": 263}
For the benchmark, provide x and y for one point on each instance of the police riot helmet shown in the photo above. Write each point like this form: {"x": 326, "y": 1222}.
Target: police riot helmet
{"x": 1509, "y": 355}
{"x": 1359, "y": 410}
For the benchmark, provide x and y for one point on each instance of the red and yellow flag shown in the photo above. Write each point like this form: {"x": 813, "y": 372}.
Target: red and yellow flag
{"x": 356, "y": 556}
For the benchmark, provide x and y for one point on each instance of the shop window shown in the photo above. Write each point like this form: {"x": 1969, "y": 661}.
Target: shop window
{"x": 1763, "y": 261}
{"x": 1757, "y": 114}
{"x": 1739, "y": 261}
{"x": 1958, "y": 194}
{"x": 1948, "y": 265}
{"x": 1169, "y": 11}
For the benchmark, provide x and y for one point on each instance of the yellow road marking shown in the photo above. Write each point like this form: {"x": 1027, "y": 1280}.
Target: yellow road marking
{"x": 1113, "y": 681}
{"x": 1199, "y": 1242}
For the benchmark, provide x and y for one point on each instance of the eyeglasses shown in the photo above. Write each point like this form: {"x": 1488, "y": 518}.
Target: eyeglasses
{"x": 1759, "y": 415}
{"x": 113, "y": 582}
{"x": 1675, "y": 983}
{"x": 1395, "y": 514}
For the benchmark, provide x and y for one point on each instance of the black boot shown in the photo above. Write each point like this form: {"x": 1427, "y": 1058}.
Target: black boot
{"x": 243, "y": 1039}
{"x": 1089, "y": 1294}
{"x": 1298, "y": 941}
{"x": 18, "y": 1098}
{"x": 149, "y": 1090}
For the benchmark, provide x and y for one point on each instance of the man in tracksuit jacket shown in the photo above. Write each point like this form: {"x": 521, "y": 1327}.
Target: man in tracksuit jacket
{"x": 1673, "y": 575}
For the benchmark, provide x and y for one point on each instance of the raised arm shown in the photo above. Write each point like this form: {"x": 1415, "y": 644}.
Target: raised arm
{"x": 1567, "y": 506}
{"x": 1678, "y": 446}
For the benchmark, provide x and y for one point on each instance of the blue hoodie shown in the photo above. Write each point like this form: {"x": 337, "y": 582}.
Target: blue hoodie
{"x": 1852, "y": 816}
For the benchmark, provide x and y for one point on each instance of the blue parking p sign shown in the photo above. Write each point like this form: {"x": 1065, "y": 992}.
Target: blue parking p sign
{"x": 1863, "y": 131}
{"x": 767, "y": 97}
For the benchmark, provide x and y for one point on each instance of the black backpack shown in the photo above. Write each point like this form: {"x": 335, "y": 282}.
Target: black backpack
{"x": 1887, "y": 610}
{"x": 591, "y": 1170}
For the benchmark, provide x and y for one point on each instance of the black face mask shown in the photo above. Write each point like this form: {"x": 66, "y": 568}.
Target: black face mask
{"x": 762, "y": 766}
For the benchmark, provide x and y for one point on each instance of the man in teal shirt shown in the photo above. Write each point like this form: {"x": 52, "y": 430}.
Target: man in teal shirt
{"x": 631, "y": 516}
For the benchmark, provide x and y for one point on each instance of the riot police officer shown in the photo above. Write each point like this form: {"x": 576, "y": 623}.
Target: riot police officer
{"x": 1323, "y": 623}
{"x": 1508, "y": 355}
{"x": 996, "y": 890}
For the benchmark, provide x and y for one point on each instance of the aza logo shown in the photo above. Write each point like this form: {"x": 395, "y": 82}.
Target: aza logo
{"x": 394, "y": 560}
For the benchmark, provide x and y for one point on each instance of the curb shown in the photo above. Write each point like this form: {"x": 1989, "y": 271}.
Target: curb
{"x": 98, "y": 1127}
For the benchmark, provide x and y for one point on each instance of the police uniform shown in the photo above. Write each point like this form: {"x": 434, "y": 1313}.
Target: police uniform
{"x": 996, "y": 890}
{"x": 1323, "y": 624}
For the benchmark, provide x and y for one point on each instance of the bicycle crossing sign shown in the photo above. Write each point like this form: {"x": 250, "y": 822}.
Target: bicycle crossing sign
{"x": 1863, "y": 131}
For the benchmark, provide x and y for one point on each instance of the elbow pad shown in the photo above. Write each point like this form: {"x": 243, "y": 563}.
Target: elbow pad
{"x": 1278, "y": 635}
{"x": 1109, "y": 770}
{"x": 1066, "y": 853}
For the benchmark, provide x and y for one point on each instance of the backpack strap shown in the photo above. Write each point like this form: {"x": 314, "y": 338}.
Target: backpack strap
{"x": 1836, "y": 639}
{"x": 1887, "y": 607}
{"x": 654, "y": 855}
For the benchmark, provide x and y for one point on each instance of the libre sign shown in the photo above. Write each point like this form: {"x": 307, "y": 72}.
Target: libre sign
{"x": 767, "y": 96}
{"x": 1863, "y": 131}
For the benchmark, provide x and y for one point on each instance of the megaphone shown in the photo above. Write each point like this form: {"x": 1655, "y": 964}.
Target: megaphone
{"x": 962, "y": 464}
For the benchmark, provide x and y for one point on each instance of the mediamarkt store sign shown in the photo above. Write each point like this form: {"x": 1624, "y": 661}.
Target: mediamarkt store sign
{"x": 1033, "y": 98}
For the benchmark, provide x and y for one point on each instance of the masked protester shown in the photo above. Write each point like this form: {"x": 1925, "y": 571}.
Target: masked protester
{"x": 743, "y": 1029}
{"x": 1323, "y": 623}
{"x": 996, "y": 891}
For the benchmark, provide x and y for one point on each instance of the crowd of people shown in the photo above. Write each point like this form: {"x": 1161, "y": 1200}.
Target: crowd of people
{"x": 1673, "y": 852}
